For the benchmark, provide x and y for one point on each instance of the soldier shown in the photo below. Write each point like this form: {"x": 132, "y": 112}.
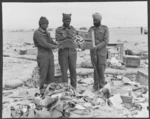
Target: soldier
{"x": 141, "y": 30}
{"x": 45, "y": 57}
{"x": 67, "y": 49}
{"x": 99, "y": 52}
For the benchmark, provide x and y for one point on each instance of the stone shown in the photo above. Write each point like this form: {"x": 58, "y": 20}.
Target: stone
{"x": 87, "y": 81}
{"x": 25, "y": 77}
{"x": 116, "y": 101}
{"x": 104, "y": 92}
{"x": 88, "y": 93}
{"x": 86, "y": 65}
{"x": 78, "y": 106}
{"x": 23, "y": 93}
{"x": 13, "y": 83}
{"x": 87, "y": 105}
{"x": 22, "y": 51}
{"x": 42, "y": 114}
{"x": 31, "y": 114}
{"x": 32, "y": 51}
{"x": 119, "y": 90}
{"x": 56, "y": 114}
{"x": 126, "y": 80}
{"x": 118, "y": 83}
{"x": 84, "y": 71}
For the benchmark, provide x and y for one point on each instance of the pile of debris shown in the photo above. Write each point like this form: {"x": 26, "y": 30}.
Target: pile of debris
{"x": 58, "y": 100}
{"x": 121, "y": 97}
{"x": 126, "y": 95}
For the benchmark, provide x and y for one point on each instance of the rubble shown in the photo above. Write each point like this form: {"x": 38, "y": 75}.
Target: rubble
{"x": 61, "y": 100}
{"x": 123, "y": 96}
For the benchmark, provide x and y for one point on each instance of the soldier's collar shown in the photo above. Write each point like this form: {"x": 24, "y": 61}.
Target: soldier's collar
{"x": 100, "y": 28}
{"x": 65, "y": 27}
{"x": 42, "y": 30}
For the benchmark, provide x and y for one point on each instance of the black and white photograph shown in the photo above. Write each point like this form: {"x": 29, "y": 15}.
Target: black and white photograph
{"x": 75, "y": 59}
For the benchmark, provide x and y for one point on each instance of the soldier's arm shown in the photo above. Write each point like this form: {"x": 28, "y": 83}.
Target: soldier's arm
{"x": 50, "y": 39}
{"x": 105, "y": 41}
{"x": 42, "y": 42}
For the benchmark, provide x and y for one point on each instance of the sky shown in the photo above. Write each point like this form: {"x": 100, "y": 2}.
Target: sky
{"x": 17, "y": 15}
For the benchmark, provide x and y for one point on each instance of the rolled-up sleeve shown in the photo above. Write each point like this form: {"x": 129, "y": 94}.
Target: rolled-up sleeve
{"x": 105, "y": 41}
{"x": 41, "y": 41}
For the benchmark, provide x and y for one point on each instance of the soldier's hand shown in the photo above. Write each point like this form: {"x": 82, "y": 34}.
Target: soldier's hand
{"x": 55, "y": 46}
{"x": 60, "y": 46}
{"x": 83, "y": 49}
{"x": 94, "y": 49}
{"x": 97, "y": 41}
{"x": 70, "y": 36}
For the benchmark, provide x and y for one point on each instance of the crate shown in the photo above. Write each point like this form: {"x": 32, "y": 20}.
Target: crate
{"x": 142, "y": 77}
{"x": 132, "y": 61}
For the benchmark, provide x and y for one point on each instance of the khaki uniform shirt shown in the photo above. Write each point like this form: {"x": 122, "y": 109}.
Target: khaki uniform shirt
{"x": 101, "y": 34}
{"x": 65, "y": 42}
{"x": 43, "y": 42}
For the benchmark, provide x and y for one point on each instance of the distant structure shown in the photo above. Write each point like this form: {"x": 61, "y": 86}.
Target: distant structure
{"x": 141, "y": 30}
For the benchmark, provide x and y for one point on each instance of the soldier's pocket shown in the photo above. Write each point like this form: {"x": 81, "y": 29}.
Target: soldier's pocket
{"x": 73, "y": 51}
{"x": 102, "y": 59}
{"x": 102, "y": 52}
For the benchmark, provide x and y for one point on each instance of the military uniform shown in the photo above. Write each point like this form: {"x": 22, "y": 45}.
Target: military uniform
{"x": 45, "y": 57}
{"x": 67, "y": 53}
{"x": 99, "y": 55}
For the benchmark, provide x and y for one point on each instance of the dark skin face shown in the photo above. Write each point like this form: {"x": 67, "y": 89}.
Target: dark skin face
{"x": 66, "y": 23}
{"x": 44, "y": 26}
{"x": 96, "y": 22}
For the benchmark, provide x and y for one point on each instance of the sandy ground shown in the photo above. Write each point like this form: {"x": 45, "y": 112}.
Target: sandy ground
{"x": 20, "y": 67}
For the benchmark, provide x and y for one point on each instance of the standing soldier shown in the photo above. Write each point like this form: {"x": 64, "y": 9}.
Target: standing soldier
{"x": 67, "y": 49}
{"x": 99, "y": 52}
{"x": 45, "y": 57}
{"x": 141, "y": 30}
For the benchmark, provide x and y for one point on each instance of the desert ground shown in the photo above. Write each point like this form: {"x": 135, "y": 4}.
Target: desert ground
{"x": 20, "y": 76}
